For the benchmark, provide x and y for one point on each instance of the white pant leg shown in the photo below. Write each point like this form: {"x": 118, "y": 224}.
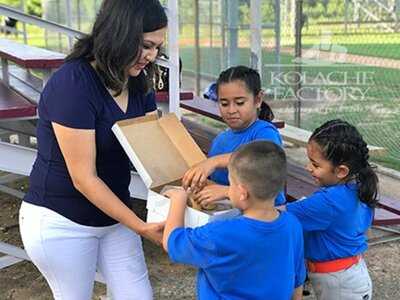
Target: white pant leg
{"x": 63, "y": 251}
{"x": 121, "y": 262}
{"x": 356, "y": 282}
{"x": 351, "y": 284}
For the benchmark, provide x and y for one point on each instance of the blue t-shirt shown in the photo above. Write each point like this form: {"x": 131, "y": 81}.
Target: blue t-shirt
{"x": 334, "y": 221}
{"x": 243, "y": 258}
{"x": 75, "y": 97}
{"x": 230, "y": 140}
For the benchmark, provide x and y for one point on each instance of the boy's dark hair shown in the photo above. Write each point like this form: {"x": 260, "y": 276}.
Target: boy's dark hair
{"x": 261, "y": 166}
{"x": 252, "y": 80}
{"x": 342, "y": 144}
{"x": 116, "y": 41}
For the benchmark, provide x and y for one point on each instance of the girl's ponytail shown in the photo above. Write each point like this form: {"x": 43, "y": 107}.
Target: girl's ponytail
{"x": 367, "y": 185}
{"x": 265, "y": 113}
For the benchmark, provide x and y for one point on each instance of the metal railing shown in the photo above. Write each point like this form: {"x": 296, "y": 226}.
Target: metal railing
{"x": 48, "y": 25}
{"x": 173, "y": 47}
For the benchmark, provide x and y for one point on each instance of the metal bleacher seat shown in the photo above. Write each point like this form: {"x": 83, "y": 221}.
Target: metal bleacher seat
{"x": 19, "y": 94}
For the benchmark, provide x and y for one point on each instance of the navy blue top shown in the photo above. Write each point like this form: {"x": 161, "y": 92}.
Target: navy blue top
{"x": 335, "y": 222}
{"x": 243, "y": 258}
{"x": 230, "y": 140}
{"x": 75, "y": 97}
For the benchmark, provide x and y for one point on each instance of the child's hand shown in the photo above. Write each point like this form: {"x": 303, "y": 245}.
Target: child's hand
{"x": 176, "y": 214}
{"x": 196, "y": 176}
{"x": 177, "y": 194}
{"x": 211, "y": 193}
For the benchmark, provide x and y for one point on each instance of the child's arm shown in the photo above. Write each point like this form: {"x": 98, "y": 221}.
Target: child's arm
{"x": 315, "y": 212}
{"x": 176, "y": 213}
{"x": 196, "y": 176}
{"x": 298, "y": 293}
{"x": 193, "y": 246}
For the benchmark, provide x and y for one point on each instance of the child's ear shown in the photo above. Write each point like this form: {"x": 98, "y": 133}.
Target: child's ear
{"x": 243, "y": 196}
{"x": 342, "y": 171}
{"x": 259, "y": 98}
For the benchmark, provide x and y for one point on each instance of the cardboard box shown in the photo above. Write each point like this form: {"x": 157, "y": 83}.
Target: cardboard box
{"x": 162, "y": 151}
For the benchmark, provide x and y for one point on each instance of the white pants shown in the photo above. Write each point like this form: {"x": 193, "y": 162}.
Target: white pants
{"x": 351, "y": 284}
{"x": 67, "y": 254}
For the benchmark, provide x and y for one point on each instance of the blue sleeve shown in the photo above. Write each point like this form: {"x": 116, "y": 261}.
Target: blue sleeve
{"x": 280, "y": 199}
{"x": 269, "y": 134}
{"x": 300, "y": 276}
{"x": 214, "y": 145}
{"x": 150, "y": 102}
{"x": 314, "y": 212}
{"x": 67, "y": 100}
{"x": 192, "y": 246}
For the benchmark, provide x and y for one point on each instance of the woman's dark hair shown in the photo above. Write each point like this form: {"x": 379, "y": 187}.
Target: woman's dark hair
{"x": 342, "y": 144}
{"x": 252, "y": 80}
{"x": 116, "y": 41}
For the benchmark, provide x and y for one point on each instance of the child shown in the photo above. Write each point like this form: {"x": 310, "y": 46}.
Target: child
{"x": 240, "y": 99}
{"x": 258, "y": 255}
{"x": 337, "y": 216}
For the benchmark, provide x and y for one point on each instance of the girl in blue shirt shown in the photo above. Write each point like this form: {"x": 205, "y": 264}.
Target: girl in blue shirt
{"x": 242, "y": 109}
{"x": 336, "y": 217}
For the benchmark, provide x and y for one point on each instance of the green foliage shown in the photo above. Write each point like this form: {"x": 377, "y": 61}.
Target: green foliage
{"x": 267, "y": 11}
{"x": 34, "y": 8}
{"x": 12, "y": 3}
{"x": 324, "y": 10}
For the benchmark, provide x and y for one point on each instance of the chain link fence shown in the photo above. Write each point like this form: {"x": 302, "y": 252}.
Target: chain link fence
{"x": 347, "y": 62}
{"x": 344, "y": 61}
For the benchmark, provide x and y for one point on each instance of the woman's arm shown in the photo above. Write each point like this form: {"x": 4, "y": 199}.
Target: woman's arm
{"x": 196, "y": 176}
{"x": 78, "y": 147}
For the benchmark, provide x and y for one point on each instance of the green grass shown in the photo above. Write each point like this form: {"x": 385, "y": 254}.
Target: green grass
{"x": 388, "y": 50}
{"x": 375, "y": 50}
{"x": 366, "y": 40}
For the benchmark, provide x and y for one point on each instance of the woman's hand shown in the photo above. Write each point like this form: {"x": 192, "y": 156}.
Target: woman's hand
{"x": 196, "y": 176}
{"x": 211, "y": 193}
{"x": 153, "y": 232}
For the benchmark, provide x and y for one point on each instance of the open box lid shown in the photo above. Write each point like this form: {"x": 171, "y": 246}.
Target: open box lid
{"x": 161, "y": 149}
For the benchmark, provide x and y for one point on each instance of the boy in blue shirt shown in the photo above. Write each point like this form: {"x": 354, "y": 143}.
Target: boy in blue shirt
{"x": 258, "y": 255}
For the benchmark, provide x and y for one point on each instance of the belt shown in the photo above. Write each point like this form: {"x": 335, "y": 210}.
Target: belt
{"x": 333, "y": 265}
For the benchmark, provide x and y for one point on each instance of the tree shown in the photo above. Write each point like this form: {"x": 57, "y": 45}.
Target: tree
{"x": 34, "y": 8}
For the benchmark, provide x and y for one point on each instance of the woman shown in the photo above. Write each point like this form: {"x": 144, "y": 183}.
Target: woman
{"x": 75, "y": 217}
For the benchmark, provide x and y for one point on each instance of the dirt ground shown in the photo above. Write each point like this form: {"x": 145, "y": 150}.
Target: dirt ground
{"x": 176, "y": 282}
{"x": 23, "y": 281}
